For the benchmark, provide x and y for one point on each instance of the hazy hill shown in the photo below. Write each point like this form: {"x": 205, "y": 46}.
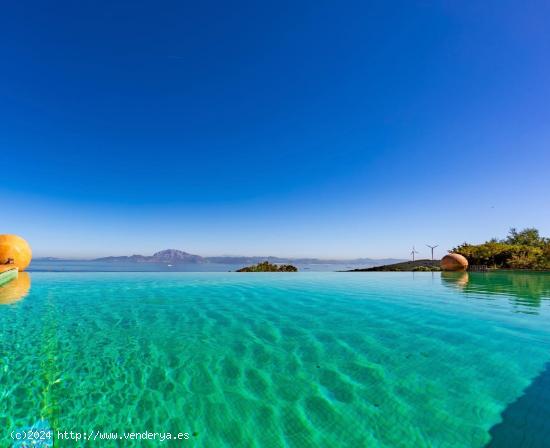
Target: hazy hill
{"x": 403, "y": 266}
{"x": 258, "y": 259}
{"x": 171, "y": 256}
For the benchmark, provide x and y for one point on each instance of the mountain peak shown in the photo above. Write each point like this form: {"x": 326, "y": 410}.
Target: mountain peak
{"x": 175, "y": 256}
{"x": 170, "y": 252}
{"x": 168, "y": 256}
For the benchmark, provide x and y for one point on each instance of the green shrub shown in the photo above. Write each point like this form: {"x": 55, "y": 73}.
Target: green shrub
{"x": 268, "y": 267}
{"x": 525, "y": 249}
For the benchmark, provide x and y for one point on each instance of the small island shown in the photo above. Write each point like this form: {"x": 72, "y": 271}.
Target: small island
{"x": 269, "y": 267}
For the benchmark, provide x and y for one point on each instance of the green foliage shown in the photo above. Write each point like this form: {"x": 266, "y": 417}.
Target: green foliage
{"x": 524, "y": 249}
{"x": 526, "y": 237}
{"x": 287, "y": 268}
{"x": 426, "y": 269}
{"x": 268, "y": 267}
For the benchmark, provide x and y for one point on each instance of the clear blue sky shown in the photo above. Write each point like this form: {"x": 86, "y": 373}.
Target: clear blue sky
{"x": 328, "y": 129}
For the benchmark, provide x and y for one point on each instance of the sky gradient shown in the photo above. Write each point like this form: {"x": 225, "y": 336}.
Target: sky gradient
{"x": 324, "y": 129}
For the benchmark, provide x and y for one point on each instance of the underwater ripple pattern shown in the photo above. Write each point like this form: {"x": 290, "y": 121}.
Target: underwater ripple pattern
{"x": 271, "y": 360}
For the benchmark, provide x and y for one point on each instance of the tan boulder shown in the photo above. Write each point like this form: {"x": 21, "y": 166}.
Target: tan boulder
{"x": 454, "y": 262}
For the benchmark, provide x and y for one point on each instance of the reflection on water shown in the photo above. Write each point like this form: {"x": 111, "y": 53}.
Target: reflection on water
{"x": 459, "y": 279}
{"x": 527, "y": 289}
{"x": 16, "y": 289}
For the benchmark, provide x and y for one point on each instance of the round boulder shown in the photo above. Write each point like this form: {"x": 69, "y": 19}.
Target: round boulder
{"x": 454, "y": 262}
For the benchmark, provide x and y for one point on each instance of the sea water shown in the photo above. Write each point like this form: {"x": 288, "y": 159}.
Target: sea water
{"x": 278, "y": 359}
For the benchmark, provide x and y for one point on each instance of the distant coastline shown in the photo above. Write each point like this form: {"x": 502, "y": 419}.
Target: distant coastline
{"x": 405, "y": 266}
{"x": 174, "y": 256}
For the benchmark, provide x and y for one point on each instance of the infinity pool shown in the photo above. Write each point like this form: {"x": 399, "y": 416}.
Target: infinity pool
{"x": 279, "y": 360}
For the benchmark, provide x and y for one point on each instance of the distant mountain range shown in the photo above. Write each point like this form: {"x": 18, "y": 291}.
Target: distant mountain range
{"x": 174, "y": 256}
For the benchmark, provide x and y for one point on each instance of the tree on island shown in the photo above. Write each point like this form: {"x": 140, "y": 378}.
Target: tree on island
{"x": 524, "y": 249}
{"x": 268, "y": 267}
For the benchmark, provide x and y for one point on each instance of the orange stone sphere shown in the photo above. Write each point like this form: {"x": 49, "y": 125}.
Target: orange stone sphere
{"x": 454, "y": 262}
{"x": 16, "y": 249}
{"x": 16, "y": 289}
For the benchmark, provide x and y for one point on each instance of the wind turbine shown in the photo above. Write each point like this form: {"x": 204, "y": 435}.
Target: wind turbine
{"x": 414, "y": 251}
{"x": 432, "y": 248}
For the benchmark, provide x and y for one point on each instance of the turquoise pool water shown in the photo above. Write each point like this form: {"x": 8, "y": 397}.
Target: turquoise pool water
{"x": 278, "y": 360}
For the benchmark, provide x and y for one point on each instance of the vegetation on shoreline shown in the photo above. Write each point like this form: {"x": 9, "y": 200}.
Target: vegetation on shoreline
{"x": 266, "y": 266}
{"x": 406, "y": 266}
{"x": 524, "y": 249}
